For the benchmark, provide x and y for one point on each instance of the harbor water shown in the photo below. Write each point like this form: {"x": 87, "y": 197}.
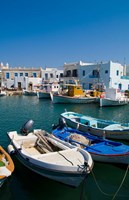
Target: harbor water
{"x": 107, "y": 181}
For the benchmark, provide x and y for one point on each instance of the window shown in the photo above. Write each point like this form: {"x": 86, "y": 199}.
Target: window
{"x": 26, "y": 74}
{"x": 83, "y": 73}
{"x": 74, "y": 73}
{"x": 34, "y": 74}
{"x": 46, "y": 76}
{"x": 95, "y": 73}
{"x": 21, "y": 74}
{"x": 106, "y": 71}
{"x": 120, "y": 86}
{"x": 68, "y": 73}
{"x": 56, "y": 76}
{"x": 51, "y": 75}
{"x": 7, "y": 75}
{"x": 61, "y": 74}
{"x": 15, "y": 74}
{"x": 117, "y": 72}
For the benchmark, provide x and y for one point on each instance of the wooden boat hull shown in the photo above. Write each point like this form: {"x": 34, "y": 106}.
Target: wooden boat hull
{"x": 6, "y": 166}
{"x": 109, "y": 132}
{"x": 68, "y": 99}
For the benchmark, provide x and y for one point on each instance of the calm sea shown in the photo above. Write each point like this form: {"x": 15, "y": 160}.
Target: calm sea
{"x": 104, "y": 183}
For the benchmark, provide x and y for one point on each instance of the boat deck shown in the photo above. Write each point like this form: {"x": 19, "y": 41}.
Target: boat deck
{"x": 65, "y": 157}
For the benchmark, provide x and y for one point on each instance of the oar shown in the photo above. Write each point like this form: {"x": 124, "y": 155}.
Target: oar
{"x": 70, "y": 140}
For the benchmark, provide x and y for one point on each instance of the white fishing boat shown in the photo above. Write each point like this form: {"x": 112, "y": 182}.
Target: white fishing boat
{"x": 50, "y": 157}
{"x": 45, "y": 89}
{"x": 113, "y": 97}
{"x": 72, "y": 94}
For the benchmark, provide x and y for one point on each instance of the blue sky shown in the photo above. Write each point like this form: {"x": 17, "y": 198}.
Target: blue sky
{"x": 48, "y": 33}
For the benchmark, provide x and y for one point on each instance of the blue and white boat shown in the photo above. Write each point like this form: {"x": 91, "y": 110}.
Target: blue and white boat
{"x": 95, "y": 126}
{"x": 101, "y": 149}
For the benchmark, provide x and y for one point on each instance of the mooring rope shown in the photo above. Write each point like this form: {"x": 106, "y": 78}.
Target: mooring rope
{"x": 114, "y": 195}
{"x": 84, "y": 181}
{"x": 121, "y": 183}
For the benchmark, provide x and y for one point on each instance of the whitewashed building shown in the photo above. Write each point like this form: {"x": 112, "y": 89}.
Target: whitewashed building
{"x": 97, "y": 75}
{"x": 20, "y": 78}
{"x": 52, "y": 75}
{"x": 28, "y": 78}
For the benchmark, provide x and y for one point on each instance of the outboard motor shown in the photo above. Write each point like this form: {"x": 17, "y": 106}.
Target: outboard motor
{"x": 26, "y": 127}
{"x": 62, "y": 122}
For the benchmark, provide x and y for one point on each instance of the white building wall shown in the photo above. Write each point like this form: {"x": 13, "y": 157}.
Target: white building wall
{"x": 17, "y": 80}
{"x": 25, "y": 81}
{"x": 35, "y": 82}
{"x": 116, "y": 71}
{"x": 124, "y": 84}
{"x": 71, "y": 67}
{"x": 9, "y": 83}
{"x": 105, "y": 73}
{"x": 87, "y": 79}
{"x": 51, "y": 74}
{"x": 109, "y": 74}
{"x": 102, "y": 79}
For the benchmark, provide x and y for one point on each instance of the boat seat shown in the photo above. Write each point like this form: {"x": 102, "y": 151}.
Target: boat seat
{"x": 28, "y": 144}
{"x": 63, "y": 157}
{"x": 32, "y": 151}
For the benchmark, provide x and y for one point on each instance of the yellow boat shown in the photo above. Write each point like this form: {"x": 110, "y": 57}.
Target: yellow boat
{"x": 73, "y": 94}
